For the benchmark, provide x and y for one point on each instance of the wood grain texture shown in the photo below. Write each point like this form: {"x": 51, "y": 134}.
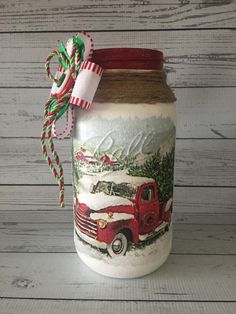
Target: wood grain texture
{"x": 193, "y": 57}
{"x": 33, "y": 236}
{"x": 62, "y": 275}
{"x": 201, "y": 112}
{"x": 198, "y": 162}
{"x": 198, "y": 38}
{"x": 9, "y": 306}
{"x": 199, "y": 205}
{"x": 47, "y": 15}
{"x": 189, "y": 46}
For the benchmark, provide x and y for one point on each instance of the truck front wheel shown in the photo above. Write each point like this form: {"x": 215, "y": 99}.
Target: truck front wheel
{"x": 118, "y": 246}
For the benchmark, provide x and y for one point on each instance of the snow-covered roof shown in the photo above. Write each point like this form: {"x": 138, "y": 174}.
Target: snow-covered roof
{"x": 122, "y": 177}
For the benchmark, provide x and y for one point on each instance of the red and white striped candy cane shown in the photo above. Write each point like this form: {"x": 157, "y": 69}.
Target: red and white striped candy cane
{"x": 70, "y": 115}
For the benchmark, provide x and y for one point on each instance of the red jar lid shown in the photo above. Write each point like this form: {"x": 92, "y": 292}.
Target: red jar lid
{"x": 129, "y": 58}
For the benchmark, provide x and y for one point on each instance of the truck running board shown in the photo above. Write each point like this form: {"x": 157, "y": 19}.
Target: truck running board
{"x": 160, "y": 230}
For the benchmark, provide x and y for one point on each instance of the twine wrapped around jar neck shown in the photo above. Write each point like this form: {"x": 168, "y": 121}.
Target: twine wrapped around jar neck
{"x": 134, "y": 86}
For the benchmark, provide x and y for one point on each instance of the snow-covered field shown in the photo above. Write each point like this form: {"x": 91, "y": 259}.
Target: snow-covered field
{"x": 138, "y": 261}
{"x": 121, "y": 176}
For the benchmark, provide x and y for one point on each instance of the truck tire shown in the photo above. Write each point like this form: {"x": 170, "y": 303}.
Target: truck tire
{"x": 118, "y": 246}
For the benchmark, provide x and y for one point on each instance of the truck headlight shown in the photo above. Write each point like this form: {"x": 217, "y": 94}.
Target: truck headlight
{"x": 102, "y": 223}
{"x": 110, "y": 214}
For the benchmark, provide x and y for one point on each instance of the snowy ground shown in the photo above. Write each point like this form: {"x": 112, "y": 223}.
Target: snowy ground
{"x": 136, "y": 255}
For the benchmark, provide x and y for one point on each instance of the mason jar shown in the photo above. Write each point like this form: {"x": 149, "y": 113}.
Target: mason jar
{"x": 123, "y": 165}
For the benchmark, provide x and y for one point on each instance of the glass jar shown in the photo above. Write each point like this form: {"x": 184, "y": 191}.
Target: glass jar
{"x": 123, "y": 164}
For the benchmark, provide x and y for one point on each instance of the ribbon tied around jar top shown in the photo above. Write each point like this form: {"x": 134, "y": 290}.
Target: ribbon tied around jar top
{"x": 74, "y": 84}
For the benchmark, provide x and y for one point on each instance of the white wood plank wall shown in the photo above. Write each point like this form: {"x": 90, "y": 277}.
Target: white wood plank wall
{"x": 39, "y": 269}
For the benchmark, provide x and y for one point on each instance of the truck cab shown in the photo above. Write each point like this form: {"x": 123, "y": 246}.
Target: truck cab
{"x": 148, "y": 207}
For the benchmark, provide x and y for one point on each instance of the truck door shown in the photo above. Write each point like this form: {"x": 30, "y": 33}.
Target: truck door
{"x": 148, "y": 209}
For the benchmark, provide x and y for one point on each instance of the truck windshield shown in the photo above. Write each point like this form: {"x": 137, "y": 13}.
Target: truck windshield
{"x": 126, "y": 190}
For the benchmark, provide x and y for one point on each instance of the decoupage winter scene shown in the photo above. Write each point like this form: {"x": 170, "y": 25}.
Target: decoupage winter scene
{"x": 123, "y": 183}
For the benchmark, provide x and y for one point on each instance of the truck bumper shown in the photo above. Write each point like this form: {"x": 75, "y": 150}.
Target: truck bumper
{"x": 91, "y": 241}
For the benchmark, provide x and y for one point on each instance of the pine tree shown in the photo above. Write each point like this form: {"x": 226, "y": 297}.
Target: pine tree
{"x": 161, "y": 169}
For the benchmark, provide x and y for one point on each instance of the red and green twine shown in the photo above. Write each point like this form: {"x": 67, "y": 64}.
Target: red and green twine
{"x": 57, "y": 105}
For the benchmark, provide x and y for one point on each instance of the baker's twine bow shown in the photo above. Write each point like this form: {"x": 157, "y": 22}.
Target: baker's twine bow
{"x": 57, "y": 105}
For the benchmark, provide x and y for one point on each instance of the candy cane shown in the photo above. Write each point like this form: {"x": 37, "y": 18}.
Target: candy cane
{"x": 88, "y": 52}
{"x": 47, "y": 65}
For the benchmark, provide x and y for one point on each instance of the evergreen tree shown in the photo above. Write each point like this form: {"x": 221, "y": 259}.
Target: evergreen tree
{"x": 160, "y": 168}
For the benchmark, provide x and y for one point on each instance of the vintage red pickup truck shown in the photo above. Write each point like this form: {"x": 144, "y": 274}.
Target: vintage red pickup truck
{"x": 118, "y": 210}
